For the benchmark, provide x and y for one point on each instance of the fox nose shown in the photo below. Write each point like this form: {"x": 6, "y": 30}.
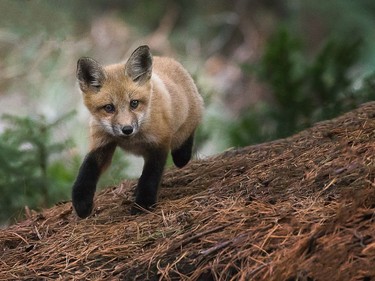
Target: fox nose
{"x": 127, "y": 130}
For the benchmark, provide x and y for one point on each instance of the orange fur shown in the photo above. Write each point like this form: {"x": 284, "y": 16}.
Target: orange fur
{"x": 147, "y": 107}
{"x": 169, "y": 111}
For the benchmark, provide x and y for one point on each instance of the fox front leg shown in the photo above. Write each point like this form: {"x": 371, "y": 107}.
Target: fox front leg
{"x": 148, "y": 183}
{"x": 95, "y": 162}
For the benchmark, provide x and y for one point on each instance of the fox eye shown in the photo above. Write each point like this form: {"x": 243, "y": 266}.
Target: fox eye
{"x": 109, "y": 108}
{"x": 134, "y": 104}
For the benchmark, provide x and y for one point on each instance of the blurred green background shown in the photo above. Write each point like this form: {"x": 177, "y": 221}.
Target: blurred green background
{"x": 266, "y": 69}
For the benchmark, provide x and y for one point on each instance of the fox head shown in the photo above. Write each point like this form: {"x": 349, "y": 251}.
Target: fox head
{"x": 117, "y": 96}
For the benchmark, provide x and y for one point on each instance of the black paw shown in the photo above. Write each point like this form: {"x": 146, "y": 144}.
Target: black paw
{"x": 82, "y": 203}
{"x": 83, "y": 208}
{"x": 182, "y": 155}
{"x": 142, "y": 207}
{"x": 135, "y": 210}
{"x": 181, "y": 160}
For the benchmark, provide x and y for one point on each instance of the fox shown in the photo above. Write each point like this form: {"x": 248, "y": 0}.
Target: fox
{"x": 148, "y": 106}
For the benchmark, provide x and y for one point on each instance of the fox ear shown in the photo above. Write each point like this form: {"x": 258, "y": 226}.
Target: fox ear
{"x": 139, "y": 65}
{"x": 90, "y": 74}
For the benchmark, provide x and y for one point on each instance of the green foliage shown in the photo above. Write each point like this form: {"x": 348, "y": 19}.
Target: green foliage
{"x": 117, "y": 172}
{"x": 29, "y": 175}
{"x": 302, "y": 93}
{"x": 34, "y": 171}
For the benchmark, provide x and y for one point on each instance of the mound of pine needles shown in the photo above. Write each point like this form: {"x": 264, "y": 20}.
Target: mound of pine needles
{"x": 300, "y": 208}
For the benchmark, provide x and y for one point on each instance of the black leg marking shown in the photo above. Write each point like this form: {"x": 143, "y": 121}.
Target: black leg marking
{"x": 84, "y": 187}
{"x": 182, "y": 155}
{"x": 148, "y": 184}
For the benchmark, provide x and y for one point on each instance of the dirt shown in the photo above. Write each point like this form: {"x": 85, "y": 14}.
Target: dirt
{"x": 300, "y": 208}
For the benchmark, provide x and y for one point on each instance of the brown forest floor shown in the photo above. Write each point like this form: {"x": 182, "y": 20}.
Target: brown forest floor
{"x": 301, "y": 208}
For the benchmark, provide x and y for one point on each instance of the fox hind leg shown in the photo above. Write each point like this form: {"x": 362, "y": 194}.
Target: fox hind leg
{"x": 182, "y": 155}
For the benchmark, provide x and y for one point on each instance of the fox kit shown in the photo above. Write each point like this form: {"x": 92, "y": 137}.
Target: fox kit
{"x": 147, "y": 106}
